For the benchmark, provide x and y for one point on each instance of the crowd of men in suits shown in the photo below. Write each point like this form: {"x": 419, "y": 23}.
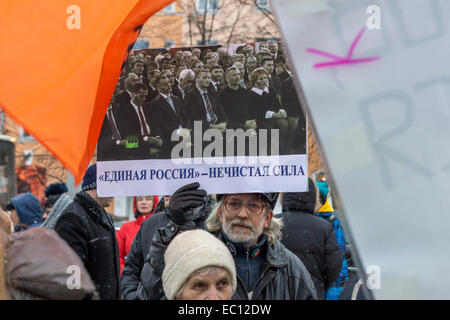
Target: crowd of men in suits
{"x": 160, "y": 95}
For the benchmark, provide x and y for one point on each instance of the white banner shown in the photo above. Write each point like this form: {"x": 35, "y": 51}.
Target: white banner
{"x": 227, "y": 175}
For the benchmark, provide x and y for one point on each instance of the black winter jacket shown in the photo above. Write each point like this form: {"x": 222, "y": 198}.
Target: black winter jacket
{"x": 89, "y": 230}
{"x": 284, "y": 276}
{"x": 312, "y": 239}
{"x": 134, "y": 262}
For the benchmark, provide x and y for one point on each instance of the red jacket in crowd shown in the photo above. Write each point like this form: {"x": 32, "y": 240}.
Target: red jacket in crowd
{"x": 128, "y": 231}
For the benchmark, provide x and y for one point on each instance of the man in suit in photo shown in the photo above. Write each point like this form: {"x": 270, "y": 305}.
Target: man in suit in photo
{"x": 142, "y": 142}
{"x": 204, "y": 105}
{"x": 166, "y": 113}
{"x": 186, "y": 83}
{"x": 125, "y": 96}
{"x": 217, "y": 84}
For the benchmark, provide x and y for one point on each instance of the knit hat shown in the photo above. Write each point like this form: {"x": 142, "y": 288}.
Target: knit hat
{"x": 190, "y": 251}
{"x": 90, "y": 178}
{"x": 55, "y": 189}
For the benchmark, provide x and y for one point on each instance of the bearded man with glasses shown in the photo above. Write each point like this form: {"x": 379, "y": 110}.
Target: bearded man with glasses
{"x": 266, "y": 270}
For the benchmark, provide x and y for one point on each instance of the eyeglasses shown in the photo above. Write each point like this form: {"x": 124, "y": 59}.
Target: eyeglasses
{"x": 253, "y": 208}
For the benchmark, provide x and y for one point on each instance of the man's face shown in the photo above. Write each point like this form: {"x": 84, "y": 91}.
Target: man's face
{"x": 130, "y": 81}
{"x": 196, "y": 52}
{"x": 186, "y": 56}
{"x": 187, "y": 82}
{"x": 268, "y": 65}
{"x": 273, "y": 47}
{"x": 240, "y": 58}
{"x": 210, "y": 62}
{"x": 139, "y": 97}
{"x": 169, "y": 75}
{"x": 152, "y": 78}
{"x": 262, "y": 45}
{"x": 198, "y": 66}
{"x": 179, "y": 56}
{"x": 105, "y": 202}
{"x": 248, "y": 50}
{"x": 233, "y": 77}
{"x": 251, "y": 64}
{"x": 217, "y": 74}
{"x": 147, "y": 59}
{"x": 138, "y": 68}
{"x": 242, "y": 226}
{"x": 203, "y": 80}
{"x": 164, "y": 86}
{"x": 241, "y": 68}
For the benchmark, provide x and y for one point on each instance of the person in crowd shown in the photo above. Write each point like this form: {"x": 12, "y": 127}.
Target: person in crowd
{"x": 241, "y": 68}
{"x": 204, "y": 105}
{"x": 235, "y": 101}
{"x": 192, "y": 60}
{"x": 26, "y": 211}
{"x": 186, "y": 83}
{"x": 268, "y": 64}
{"x": 263, "y": 54}
{"x": 197, "y": 66}
{"x": 210, "y": 62}
{"x": 266, "y": 107}
{"x": 133, "y": 122}
{"x": 57, "y": 201}
{"x": 166, "y": 112}
{"x": 250, "y": 65}
{"x": 89, "y": 230}
{"x": 37, "y": 264}
{"x": 124, "y": 97}
{"x": 327, "y": 213}
{"x": 224, "y": 58}
{"x": 138, "y": 69}
{"x": 273, "y": 48}
{"x": 245, "y": 224}
{"x": 216, "y": 79}
{"x": 139, "y": 251}
{"x": 311, "y": 238}
{"x": 152, "y": 92}
{"x": 144, "y": 208}
{"x": 296, "y": 137}
{"x": 196, "y": 52}
{"x": 198, "y": 266}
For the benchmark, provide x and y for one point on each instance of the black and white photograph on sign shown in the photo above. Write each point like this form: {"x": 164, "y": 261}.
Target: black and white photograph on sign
{"x": 228, "y": 117}
{"x": 214, "y": 101}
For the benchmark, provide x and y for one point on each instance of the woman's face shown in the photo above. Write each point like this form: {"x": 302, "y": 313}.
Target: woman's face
{"x": 214, "y": 285}
{"x": 144, "y": 204}
{"x": 261, "y": 82}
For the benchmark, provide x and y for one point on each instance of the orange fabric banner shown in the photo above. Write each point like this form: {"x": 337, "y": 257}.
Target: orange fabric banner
{"x": 59, "y": 64}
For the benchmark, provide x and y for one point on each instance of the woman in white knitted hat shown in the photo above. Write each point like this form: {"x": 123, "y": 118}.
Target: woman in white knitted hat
{"x": 198, "y": 266}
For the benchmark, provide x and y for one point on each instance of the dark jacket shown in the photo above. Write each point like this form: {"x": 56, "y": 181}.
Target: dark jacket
{"x": 311, "y": 238}
{"x": 284, "y": 276}
{"x": 89, "y": 230}
{"x": 134, "y": 262}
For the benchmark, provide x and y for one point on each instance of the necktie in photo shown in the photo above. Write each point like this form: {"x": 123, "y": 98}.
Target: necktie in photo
{"x": 211, "y": 115}
{"x": 143, "y": 123}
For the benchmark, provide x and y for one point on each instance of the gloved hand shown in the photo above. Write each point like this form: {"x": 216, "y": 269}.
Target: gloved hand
{"x": 184, "y": 200}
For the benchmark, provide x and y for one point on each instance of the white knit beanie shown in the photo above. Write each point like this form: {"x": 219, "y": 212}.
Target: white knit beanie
{"x": 190, "y": 251}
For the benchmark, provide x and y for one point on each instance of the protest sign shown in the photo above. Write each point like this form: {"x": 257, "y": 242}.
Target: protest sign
{"x": 232, "y": 122}
{"x": 375, "y": 78}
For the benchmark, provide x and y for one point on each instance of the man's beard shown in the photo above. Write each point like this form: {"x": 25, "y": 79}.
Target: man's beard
{"x": 242, "y": 235}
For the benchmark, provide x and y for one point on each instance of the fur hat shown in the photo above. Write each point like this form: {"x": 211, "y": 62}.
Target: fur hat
{"x": 55, "y": 189}
{"x": 190, "y": 251}
{"x": 90, "y": 178}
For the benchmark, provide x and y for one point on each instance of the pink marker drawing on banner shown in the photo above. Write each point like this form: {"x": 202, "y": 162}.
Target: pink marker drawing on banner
{"x": 342, "y": 60}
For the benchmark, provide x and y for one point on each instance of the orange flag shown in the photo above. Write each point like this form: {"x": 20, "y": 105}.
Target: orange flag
{"x": 59, "y": 64}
